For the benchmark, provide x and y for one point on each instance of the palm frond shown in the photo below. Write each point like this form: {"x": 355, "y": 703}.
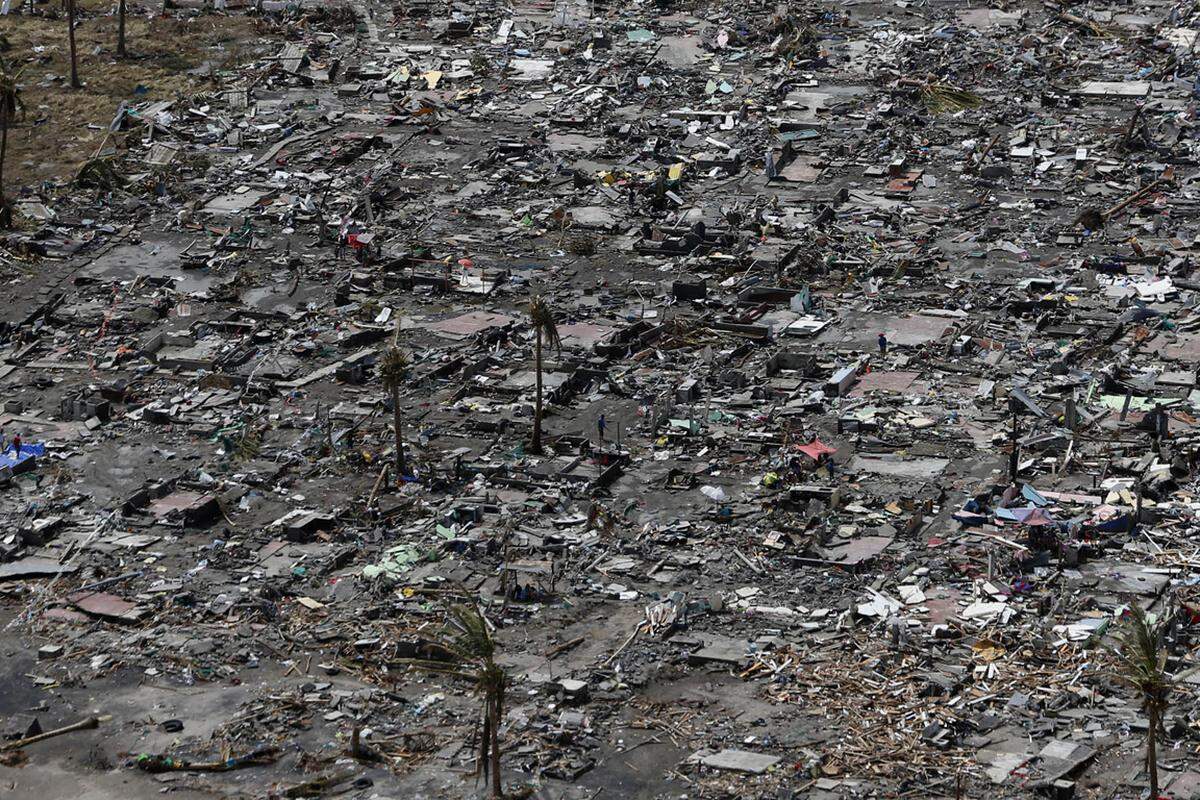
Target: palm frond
{"x": 493, "y": 679}
{"x": 542, "y": 319}
{"x": 393, "y": 367}
{"x": 1141, "y": 661}
{"x": 942, "y": 97}
{"x": 470, "y": 633}
{"x": 465, "y": 648}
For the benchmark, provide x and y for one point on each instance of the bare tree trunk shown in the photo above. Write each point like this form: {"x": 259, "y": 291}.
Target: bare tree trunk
{"x": 121, "y": 28}
{"x": 401, "y": 466}
{"x": 71, "y": 38}
{"x": 485, "y": 740}
{"x": 6, "y": 212}
{"x": 1152, "y": 751}
{"x": 497, "y": 782}
{"x": 3, "y": 150}
{"x": 536, "y": 445}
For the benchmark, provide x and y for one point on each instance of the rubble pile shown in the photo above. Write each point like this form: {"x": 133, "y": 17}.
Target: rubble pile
{"x": 574, "y": 400}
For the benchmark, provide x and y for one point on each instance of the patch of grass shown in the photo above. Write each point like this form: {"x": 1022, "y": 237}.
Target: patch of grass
{"x": 63, "y": 127}
{"x": 581, "y": 246}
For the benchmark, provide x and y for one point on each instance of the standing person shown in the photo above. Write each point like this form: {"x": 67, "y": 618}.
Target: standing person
{"x": 601, "y": 426}
{"x": 827, "y": 463}
{"x": 883, "y": 344}
{"x": 16, "y": 446}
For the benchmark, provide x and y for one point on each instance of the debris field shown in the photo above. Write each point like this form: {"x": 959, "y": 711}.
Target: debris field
{"x": 578, "y": 400}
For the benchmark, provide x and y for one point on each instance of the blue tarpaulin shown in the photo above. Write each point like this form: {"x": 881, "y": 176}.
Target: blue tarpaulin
{"x": 1115, "y": 524}
{"x": 1032, "y": 495}
{"x": 10, "y": 460}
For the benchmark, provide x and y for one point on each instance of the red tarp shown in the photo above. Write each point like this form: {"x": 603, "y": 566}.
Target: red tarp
{"x": 816, "y": 448}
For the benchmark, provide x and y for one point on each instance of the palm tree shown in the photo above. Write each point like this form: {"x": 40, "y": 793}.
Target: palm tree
{"x": 71, "y": 39}
{"x": 121, "y": 28}
{"x": 10, "y": 105}
{"x": 542, "y": 320}
{"x": 393, "y": 370}
{"x": 1142, "y": 663}
{"x": 468, "y": 651}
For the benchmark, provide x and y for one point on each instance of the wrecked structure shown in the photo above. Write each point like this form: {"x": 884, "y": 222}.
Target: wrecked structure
{"x": 868, "y": 413}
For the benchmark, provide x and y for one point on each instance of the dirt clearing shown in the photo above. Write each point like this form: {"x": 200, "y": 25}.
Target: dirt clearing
{"x": 168, "y": 58}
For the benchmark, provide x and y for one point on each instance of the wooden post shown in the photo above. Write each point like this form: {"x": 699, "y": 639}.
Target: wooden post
{"x": 82, "y": 725}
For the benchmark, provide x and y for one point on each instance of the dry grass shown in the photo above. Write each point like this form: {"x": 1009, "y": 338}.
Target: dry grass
{"x": 168, "y": 57}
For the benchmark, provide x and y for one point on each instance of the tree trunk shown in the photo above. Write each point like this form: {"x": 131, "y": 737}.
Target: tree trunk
{"x": 497, "y": 783}
{"x": 71, "y": 39}
{"x": 401, "y": 466}
{"x": 121, "y": 28}
{"x": 1152, "y": 751}
{"x": 6, "y": 213}
{"x": 3, "y": 150}
{"x": 536, "y": 445}
{"x": 485, "y": 740}
{"x": 1137, "y": 506}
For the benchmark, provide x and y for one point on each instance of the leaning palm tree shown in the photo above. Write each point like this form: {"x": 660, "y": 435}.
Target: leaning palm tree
{"x": 10, "y": 105}
{"x": 468, "y": 651}
{"x": 393, "y": 370}
{"x": 1141, "y": 663}
{"x": 542, "y": 320}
